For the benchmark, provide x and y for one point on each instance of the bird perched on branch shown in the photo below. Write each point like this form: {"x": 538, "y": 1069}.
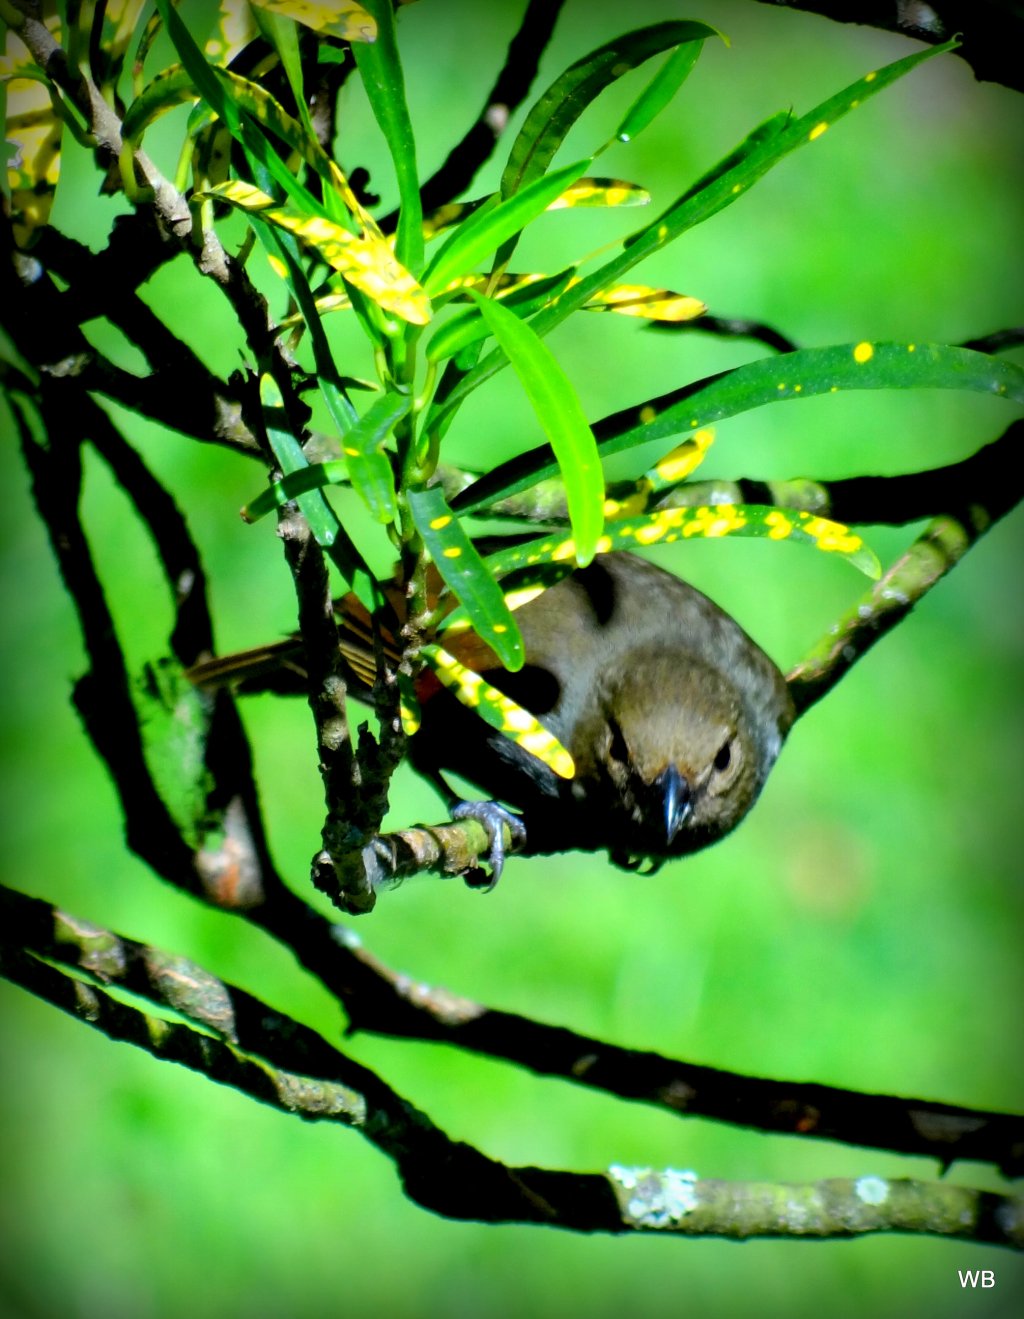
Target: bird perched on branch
{"x": 673, "y": 716}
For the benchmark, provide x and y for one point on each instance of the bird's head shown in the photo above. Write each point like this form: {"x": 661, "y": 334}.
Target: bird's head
{"x": 670, "y": 754}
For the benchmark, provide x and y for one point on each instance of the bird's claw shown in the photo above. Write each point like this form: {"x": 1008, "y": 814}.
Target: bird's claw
{"x": 492, "y": 817}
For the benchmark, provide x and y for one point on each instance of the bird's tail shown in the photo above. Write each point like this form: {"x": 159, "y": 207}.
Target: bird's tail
{"x": 280, "y": 666}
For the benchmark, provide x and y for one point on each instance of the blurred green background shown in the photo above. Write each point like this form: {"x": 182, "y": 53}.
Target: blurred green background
{"x": 863, "y": 928}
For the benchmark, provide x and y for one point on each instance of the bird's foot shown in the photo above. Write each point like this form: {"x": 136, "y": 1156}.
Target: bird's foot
{"x": 493, "y": 818}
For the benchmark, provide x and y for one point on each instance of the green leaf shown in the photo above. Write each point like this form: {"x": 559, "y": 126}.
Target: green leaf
{"x": 172, "y": 87}
{"x": 299, "y": 482}
{"x": 491, "y": 225}
{"x": 340, "y": 202}
{"x": 290, "y": 458}
{"x": 341, "y": 550}
{"x": 365, "y": 466}
{"x": 499, "y": 710}
{"x": 174, "y": 720}
{"x": 561, "y": 416}
{"x": 381, "y": 71}
{"x": 215, "y": 88}
{"x": 462, "y": 568}
{"x": 712, "y": 522}
{"x": 660, "y": 90}
{"x": 561, "y": 105}
{"x": 368, "y": 464}
{"x": 691, "y": 209}
{"x": 797, "y": 375}
{"x": 756, "y": 138}
{"x": 526, "y": 294}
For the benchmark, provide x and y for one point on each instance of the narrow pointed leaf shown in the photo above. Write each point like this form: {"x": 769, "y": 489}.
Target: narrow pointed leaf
{"x": 288, "y": 452}
{"x": 365, "y": 466}
{"x": 170, "y": 88}
{"x": 338, "y": 18}
{"x": 660, "y": 90}
{"x": 561, "y": 416}
{"x": 366, "y": 261}
{"x": 499, "y": 710}
{"x": 758, "y": 137}
{"x": 492, "y": 225}
{"x": 462, "y": 568}
{"x": 381, "y": 71}
{"x": 526, "y": 295}
{"x": 646, "y": 303}
{"x": 711, "y": 523}
{"x": 681, "y": 463}
{"x": 299, "y": 482}
{"x": 368, "y": 465}
{"x": 789, "y": 376}
{"x": 691, "y": 209}
{"x": 556, "y": 111}
{"x": 598, "y": 191}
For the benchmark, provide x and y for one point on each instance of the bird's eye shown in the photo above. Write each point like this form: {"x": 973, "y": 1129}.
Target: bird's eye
{"x": 724, "y": 757}
{"x": 617, "y": 748}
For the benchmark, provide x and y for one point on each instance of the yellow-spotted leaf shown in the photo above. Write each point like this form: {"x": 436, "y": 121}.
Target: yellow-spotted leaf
{"x": 366, "y": 261}
{"x": 335, "y": 18}
{"x": 590, "y": 191}
{"x": 463, "y": 570}
{"x": 672, "y": 470}
{"x": 693, "y": 208}
{"x": 448, "y": 216}
{"x": 647, "y": 303}
{"x": 267, "y": 111}
{"x": 680, "y": 464}
{"x": 234, "y": 29}
{"x": 499, "y": 710}
{"x": 408, "y": 705}
{"x": 787, "y": 377}
{"x": 587, "y": 191}
{"x": 368, "y": 465}
{"x": 709, "y": 522}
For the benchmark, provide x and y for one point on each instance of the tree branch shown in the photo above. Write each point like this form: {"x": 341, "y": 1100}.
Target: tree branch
{"x": 449, "y": 1178}
{"x": 375, "y": 998}
{"x": 992, "y": 31}
{"x": 965, "y": 514}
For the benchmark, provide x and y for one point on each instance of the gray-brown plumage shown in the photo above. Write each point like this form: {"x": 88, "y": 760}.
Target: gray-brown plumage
{"x": 672, "y": 714}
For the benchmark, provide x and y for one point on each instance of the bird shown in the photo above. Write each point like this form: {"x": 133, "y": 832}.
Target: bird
{"x": 672, "y": 714}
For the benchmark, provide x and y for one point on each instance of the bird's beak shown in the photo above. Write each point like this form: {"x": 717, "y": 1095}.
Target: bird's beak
{"x": 678, "y": 805}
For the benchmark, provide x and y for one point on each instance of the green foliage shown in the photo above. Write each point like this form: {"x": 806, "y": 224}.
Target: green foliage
{"x": 391, "y": 452}
{"x": 413, "y": 423}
